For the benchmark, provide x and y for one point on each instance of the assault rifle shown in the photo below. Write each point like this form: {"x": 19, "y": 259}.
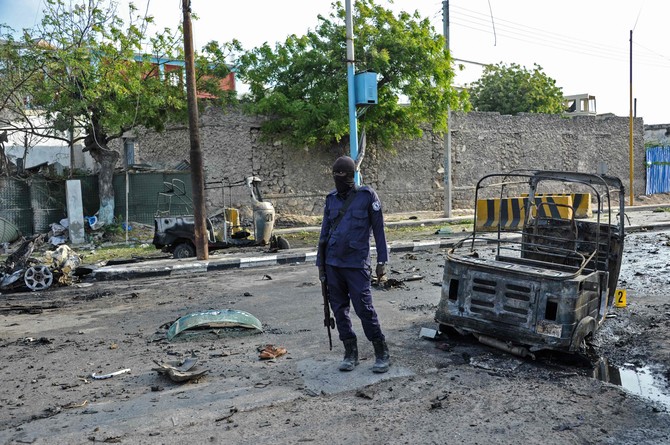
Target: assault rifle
{"x": 328, "y": 320}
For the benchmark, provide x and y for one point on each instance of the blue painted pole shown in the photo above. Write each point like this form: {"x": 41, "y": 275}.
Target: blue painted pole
{"x": 351, "y": 88}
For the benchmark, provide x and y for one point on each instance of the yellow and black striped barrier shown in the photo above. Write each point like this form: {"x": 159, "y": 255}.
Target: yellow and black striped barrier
{"x": 581, "y": 202}
{"x": 510, "y": 213}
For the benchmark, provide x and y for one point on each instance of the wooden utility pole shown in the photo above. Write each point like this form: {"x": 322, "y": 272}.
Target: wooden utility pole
{"x": 197, "y": 177}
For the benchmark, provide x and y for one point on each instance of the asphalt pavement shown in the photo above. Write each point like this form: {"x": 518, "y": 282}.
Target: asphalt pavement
{"x": 638, "y": 218}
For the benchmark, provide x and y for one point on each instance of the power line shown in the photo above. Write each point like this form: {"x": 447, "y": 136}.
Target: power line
{"x": 545, "y": 42}
{"x": 481, "y": 23}
{"x": 532, "y": 31}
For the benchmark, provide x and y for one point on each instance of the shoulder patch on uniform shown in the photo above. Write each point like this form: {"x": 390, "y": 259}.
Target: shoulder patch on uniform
{"x": 376, "y": 206}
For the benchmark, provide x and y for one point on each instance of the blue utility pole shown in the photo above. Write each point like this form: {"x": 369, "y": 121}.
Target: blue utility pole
{"x": 351, "y": 89}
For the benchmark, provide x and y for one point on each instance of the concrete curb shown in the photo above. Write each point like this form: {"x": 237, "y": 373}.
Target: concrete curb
{"x": 172, "y": 267}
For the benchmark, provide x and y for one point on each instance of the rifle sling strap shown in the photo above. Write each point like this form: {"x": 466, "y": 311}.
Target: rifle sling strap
{"x": 343, "y": 211}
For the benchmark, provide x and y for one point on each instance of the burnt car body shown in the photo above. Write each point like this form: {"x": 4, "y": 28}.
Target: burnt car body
{"x": 532, "y": 276}
{"x": 176, "y": 233}
{"x": 20, "y": 271}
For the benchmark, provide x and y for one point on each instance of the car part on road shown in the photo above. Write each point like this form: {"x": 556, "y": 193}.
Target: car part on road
{"x": 20, "y": 269}
{"x": 504, "y": 346}
{"x": 543, "y": 280}
{"x": 38, "y": 277}
{"x": 213, "y": 319}
{"x": 180, "y": 371}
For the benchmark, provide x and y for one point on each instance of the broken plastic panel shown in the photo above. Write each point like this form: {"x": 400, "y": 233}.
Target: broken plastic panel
{"x": 216, "y": 319}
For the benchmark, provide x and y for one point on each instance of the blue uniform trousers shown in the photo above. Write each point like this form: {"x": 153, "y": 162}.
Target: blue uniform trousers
{"x": 351, "y": 287}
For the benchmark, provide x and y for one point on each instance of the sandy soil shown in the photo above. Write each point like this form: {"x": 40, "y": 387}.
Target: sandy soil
{"x": 445, "y": 391}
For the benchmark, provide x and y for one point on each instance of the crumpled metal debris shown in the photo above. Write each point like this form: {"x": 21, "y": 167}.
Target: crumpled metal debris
{"x": 38, "y": 274}
{"x": 63, "y": 260}
{"x": 14, "y": 267}
{"x": 394, "y": 282}
{"x": 179, "y": 371}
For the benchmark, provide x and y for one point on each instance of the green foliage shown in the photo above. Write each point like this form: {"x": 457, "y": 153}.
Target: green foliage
{"x": 84, "y": 68}
{"x": 653, "y": 144}
{"x": 85, "y": 72}
{"x": 302, "y": 83}
{"x": 513, "y": 89}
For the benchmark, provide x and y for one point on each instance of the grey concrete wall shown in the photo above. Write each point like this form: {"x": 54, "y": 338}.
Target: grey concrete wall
{"x": 411, "y": 178}
{"x": 657, "y": 135}
{"x": 488, "y": 142}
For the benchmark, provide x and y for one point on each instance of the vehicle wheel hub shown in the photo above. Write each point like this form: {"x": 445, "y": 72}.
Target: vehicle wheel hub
{"x": 38, "y": 277}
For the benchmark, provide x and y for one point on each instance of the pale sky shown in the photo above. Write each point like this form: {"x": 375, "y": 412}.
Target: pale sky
{"x": 583, "y": 44}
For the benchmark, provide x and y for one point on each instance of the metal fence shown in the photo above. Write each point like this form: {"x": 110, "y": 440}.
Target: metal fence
{"x": 32, "y": 204}
{"x": 658, "y": 170}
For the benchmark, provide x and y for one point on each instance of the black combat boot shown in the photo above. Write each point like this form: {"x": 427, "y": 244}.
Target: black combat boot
{"x": 381, "y": 356}
{"x": 350, "y": 355}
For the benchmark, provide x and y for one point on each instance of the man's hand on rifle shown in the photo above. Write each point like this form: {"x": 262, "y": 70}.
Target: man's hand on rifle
{"x": 381, "y": 272}
{"x": 322, "y": 274}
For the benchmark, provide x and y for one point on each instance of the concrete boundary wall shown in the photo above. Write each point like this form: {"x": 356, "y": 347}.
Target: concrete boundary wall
{"x": 412, "y": 177}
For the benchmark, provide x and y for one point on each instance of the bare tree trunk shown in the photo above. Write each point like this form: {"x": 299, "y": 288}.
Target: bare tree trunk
{"x": 107, "y": 159}
{"x": 96, "y": 144}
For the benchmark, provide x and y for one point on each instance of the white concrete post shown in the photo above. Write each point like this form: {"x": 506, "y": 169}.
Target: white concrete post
{"x": 75, "y": 212}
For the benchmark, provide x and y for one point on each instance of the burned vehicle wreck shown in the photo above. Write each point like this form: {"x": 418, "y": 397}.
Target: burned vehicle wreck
{"x": 20, "y": 271}
{"x": 175, "y": 233}
{"x": 540, "y": 269}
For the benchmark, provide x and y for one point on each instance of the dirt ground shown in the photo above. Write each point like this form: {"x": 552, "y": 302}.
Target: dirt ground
{"x": 445, "y": 391}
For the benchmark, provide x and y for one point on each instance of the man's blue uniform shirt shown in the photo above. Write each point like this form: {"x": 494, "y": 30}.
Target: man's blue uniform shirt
{"x": 349, "y": 244}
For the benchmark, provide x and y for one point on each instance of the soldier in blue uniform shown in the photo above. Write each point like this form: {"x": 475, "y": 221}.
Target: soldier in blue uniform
{"x": 344, "y": 261}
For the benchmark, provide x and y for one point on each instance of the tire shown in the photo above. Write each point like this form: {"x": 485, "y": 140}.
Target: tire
{"x": 282, "y": 243}
{"x": 184, "y": 250}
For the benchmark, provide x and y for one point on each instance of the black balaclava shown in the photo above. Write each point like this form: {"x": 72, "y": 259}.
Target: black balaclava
{"x": 343, "y": 174}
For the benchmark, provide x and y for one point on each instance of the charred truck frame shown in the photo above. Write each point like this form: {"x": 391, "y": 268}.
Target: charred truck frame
{"x": 544, "y": 279}
{"x": 176, "y": 233}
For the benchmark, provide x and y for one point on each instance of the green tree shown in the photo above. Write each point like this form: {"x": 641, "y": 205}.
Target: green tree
{"x": 514, "y": 89}
{"x": 91, "y": 77}
{"x": 302, "y": 83}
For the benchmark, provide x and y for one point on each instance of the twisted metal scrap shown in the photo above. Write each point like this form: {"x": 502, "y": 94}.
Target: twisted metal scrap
{"x": 179, "y": 371}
